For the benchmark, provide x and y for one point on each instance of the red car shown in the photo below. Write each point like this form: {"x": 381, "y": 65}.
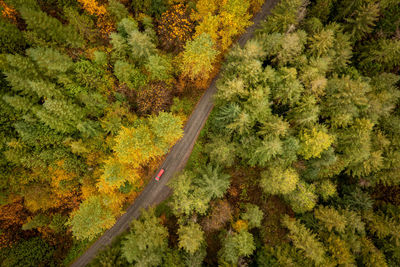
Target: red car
{"x": 160, "y": 173}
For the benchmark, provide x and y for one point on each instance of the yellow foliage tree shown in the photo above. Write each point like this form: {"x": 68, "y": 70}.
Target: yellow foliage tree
{"x": 222, "y": 20}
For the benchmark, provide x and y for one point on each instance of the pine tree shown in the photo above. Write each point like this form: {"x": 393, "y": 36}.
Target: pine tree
{"x": 50, "y": 60}
{"x": 314, "y": 142}
{"x": 283, "y": 16}
{"x": 322, "y": 42}
{"x": 303, "y": 198}
{"x": 186, "y": 196}
{"x": 11, "y": 39}
{"x": 160, "y": 67}
{"x": 362, "y": 20}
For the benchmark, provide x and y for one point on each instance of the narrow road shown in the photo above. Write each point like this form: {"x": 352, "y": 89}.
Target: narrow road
{"x": 155, "y": 192}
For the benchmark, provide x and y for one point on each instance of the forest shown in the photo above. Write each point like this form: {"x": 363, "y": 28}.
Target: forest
{"x": 93, "y": 94}
{"x": 298, "y": 164}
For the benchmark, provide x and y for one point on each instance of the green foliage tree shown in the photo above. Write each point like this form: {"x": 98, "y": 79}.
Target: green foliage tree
{"x": 236, "y": 245}
{"x": 92, "y": 218}
{"x": 305, "y": 240}
{"x": 331, "y": 218}
{"x": 253, "y": 215}
{"x": 283, "y": 16}
{"x": 11, "y": 39}
{"x": 146, "y": 242}
{"x": 277, "y": 180}
{"x": 186, "y": 196}
{"x": 43, "y": 28}
{"x": 191, "y": 237}
{"x": 213, "y": 181}
{"x": 314, "y": 142}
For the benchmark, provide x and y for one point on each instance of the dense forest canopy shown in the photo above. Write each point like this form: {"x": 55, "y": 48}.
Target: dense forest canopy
{"x": 298, "y": 165}
{"x": 92, "y": 94}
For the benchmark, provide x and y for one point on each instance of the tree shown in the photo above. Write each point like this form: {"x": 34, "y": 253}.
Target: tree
{"x": 175, "y": 28}
{"x": 191, "y": 237}
{"x": 362, "y": 20}
{"x": 91, "y": 219}
{"x": 141, "y": 46}
{"x": 253, "y": 215}
{"x": 11, "y": 39}
{"x": 322, "y": 42}
{"x": 117, "y": 10}
{"x": 160, "y": 67}
{"x": 277, "y": 180}
{"x": 50, "y": 60}
{"x": 167, "y": 130}
{"x": 331, "y": 218}
{"x": 146, "y": 242}
{"x": 198, "y": 58}
{"x": 283, "y": 16}
{"x": 129, "y": 74}
{"x": 304, "y": 240}
{"x": 222, "y": 20}
{"x": 154, "y": 98}
{"x": 186, "y": 196}
{"x": 236, "y": 245}
{"x": 303, "y": 198}
{"x": 44, "y": 28}
{"x": 213, "y": 181}
{"x": 314, "y": 142}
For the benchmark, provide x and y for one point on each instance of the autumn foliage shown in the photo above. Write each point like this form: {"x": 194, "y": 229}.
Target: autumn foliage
{"x": 175, "y": 28}
{"x": 104, "y": 21}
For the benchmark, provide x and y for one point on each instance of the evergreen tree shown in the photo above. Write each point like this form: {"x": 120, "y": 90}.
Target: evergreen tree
{"x": 213, "y": 181}
{"x": 44, "y": 28}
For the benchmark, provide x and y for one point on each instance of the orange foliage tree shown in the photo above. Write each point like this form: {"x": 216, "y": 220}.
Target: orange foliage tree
{"x": 8, "y": 12}
{"x": 175, "y": 28}
{"x": 12, "y": 216}
{"x": 104, "y": 21}
{"x": 153, "y": 98}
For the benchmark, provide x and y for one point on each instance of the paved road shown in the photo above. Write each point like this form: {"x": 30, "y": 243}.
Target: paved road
{"x": 155, "y": 192}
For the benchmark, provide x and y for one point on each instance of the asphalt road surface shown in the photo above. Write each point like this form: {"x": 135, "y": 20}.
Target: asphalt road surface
{"x": 155, "y": 192}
